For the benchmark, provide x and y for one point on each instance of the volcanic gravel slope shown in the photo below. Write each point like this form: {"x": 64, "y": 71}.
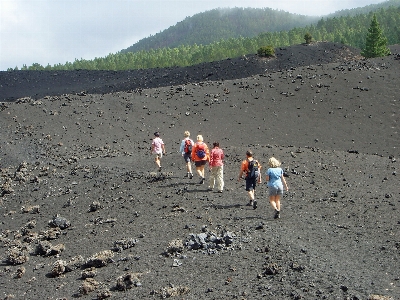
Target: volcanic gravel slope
{"x": 84, "y": 212}
{"x": 38, "y": 84}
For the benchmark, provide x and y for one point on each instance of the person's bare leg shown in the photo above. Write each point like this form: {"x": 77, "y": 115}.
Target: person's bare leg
{"x": 273, "y": 202}
{"x": 251, "y": 194}
{"x": 278, "y": 202}
{"x": 198, "y": 171}
{"x": 158, "y": 162}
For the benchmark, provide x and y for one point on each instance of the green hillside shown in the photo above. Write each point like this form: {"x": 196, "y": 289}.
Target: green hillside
{"x": 223, "y": 23}
{"x": 364, "y": 10}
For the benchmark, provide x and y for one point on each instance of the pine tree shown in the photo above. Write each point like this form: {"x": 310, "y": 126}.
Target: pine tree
{"x": 376, "y": 42}
{"x": 308, "y": 38}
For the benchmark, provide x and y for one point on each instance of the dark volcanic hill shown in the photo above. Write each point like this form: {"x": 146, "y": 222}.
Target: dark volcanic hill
{"x": 38, "y": 84}
{"x": 84, "y": 212}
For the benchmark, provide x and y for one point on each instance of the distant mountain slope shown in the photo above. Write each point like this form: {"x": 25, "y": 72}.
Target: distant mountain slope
{"x": 223, "y": 23}
{"x": 364, "y": 10}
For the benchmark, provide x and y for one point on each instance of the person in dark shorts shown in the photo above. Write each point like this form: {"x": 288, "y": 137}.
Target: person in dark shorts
{"x": 186, "y": 151}
{"x": 200, "y": 156}
{"x": 252, "y": 177}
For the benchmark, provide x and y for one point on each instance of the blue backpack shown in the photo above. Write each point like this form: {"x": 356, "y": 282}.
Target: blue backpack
{"x": 201, "y": 150}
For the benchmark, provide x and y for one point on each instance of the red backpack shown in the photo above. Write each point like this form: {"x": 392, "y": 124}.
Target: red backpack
{"x": 188, "y": 146}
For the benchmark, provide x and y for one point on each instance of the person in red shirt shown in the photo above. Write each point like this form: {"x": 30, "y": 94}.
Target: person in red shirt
{"x": 252, "y": 176}
{"x": 200, "y": 156}
{"x": 216, "y": 168}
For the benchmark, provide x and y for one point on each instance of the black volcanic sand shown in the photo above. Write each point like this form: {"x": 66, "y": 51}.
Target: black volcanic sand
{"x": 81, "y": 152}
{"x": 38, "y": 84}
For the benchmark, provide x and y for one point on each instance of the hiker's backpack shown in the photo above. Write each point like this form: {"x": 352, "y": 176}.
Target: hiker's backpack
{"x": 188, "y": 146}
{"x": 253, "y": 168}
{"x": 201, "y": 150}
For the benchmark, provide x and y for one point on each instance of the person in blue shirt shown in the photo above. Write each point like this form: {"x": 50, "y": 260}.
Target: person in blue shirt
{"x": 186, "y": 152}
{"x": 275, "y": 182}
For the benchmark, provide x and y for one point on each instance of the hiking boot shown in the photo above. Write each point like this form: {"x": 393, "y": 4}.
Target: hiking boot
{"x": 254, "y": 204}
{"x": 277, "y": 214}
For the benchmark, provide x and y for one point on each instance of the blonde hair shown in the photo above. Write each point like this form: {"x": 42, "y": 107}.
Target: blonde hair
{"x": 273, "y": 162}
{"x": 200, "y": 138}
{"x": 186, "y": 134}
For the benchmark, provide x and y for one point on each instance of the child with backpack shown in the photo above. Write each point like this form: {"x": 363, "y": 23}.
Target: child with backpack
{"x": 200, "y": 156}
{"x": 186, "y": 150}
{"x": 276, "y": 181}
{"x": 252, "y": 169}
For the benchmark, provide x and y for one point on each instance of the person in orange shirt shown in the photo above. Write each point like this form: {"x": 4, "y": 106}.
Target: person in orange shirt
{"x": 200, "y": 156}
{"x": 252, "y": 169}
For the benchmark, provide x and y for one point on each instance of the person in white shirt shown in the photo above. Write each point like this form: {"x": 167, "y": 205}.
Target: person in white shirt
{"x": 158, "y": 149}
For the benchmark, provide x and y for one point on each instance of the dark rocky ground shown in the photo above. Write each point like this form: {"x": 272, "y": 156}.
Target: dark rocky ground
{"x": 76, "y": 145}
{"x": 38, "y": 84}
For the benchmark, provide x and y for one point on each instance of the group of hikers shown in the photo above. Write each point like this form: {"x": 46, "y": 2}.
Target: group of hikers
{"x": 199, "y": 153}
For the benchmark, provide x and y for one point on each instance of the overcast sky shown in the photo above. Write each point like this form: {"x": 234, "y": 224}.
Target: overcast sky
{"x": 57, "y": 31}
